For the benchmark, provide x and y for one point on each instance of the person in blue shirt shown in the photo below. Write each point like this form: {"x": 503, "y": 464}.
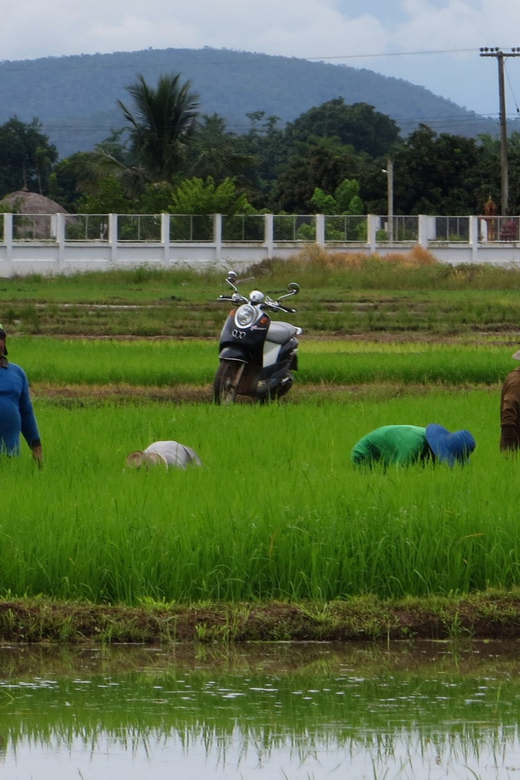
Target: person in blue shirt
{"x": 16, "y": 409}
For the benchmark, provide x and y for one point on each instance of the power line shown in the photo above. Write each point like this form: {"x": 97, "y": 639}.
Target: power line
{"x": 438, "y": 119}
{"x": 393, "y": 54}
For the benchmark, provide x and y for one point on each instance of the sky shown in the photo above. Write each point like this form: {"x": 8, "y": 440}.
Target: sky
{"x": 433, "y": 43}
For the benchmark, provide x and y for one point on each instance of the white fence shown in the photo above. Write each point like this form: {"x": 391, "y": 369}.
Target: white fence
{"x": 61, "y": 243}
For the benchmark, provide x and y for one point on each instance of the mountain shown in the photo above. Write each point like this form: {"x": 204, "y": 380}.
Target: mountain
{"x": 75, "y": 97}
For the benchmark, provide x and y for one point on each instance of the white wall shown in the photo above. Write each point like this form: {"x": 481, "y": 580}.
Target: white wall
{"x": 56, "y": 255}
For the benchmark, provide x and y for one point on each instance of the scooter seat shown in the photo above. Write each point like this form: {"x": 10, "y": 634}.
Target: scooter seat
{"x": 281, "y": 332}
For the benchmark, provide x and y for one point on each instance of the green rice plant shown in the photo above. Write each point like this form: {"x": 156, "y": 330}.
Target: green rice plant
{"x": 80, "y": 361}
{"x": 172, "y": 362}
{"x": 276, "y": 512}
{"x": 341, "y": 362}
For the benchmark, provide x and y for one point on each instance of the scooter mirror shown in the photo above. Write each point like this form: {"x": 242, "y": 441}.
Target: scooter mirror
{"x": 293, "y": 288}
{"x": 232, "y": 276}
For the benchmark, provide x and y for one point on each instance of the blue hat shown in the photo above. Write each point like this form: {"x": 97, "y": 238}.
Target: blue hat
{"x": 450, "y": 447}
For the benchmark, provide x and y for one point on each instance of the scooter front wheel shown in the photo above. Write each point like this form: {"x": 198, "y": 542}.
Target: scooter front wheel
{"x": 227, "y": 380}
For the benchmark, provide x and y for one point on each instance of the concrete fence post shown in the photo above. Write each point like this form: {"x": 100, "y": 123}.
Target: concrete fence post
{"x": 269, "y": 234}
{"x": 165, "y": 237}
{"x": 423, "y": 230}
{"x": 112, "y": 236}
{"x": 60, "y": 240}
{"x": 320, "y": 229}
{"x": 473, "y": 238}
{"x": 372, "y": 227}
{"x": 217, "y": 235}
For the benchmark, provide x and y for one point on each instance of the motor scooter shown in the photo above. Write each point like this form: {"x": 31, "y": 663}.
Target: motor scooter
{"x": 257, "y": 354}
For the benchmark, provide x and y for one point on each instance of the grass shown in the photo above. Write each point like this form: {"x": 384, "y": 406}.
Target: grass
{"x": 340, "y": 294}
{"x": 167, "y": 363}
{"x": 277, "y": 512}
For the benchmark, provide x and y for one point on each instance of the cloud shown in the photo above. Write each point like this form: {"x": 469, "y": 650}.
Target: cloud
{"x": 317, "y": 28}
{"x": 456, "y": 23}
{"x": 337, "y": 30}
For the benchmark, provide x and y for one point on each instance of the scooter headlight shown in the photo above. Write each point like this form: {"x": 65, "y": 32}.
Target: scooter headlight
{"x": 245, "y": 316}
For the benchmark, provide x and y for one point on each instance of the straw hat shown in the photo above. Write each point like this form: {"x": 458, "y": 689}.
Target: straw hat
{"x": 138, "y": 459}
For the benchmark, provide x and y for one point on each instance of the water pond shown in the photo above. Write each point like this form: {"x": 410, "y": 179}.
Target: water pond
{"x": 274, "y": 712}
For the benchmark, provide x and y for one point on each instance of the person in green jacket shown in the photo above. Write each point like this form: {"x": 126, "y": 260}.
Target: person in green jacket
{"x": 407, "y": 444}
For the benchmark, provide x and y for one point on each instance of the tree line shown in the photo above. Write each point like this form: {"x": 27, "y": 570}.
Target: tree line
{"x": 167, "y": 156}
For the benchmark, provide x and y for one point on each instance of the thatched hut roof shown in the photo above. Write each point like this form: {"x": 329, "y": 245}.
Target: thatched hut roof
{"x": 24, "y": 202}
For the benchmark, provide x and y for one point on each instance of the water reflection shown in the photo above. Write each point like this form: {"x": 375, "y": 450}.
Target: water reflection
{"x": 431, "y": 710}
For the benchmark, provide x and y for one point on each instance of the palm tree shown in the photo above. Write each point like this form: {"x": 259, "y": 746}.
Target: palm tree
{"x": 165, "y": 118}
{"x": 217, "y": 153}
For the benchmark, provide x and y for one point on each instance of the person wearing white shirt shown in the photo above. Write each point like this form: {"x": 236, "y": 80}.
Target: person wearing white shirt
{"x": 167, "y": 453}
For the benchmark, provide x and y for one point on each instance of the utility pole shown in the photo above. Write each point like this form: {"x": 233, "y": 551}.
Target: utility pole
{"x": 389, "y": 170}
{"x": 390, "y": 198}
{"x": 500, "y": 56}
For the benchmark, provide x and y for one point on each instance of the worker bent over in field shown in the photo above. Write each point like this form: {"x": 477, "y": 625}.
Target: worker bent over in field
{"x": 510, "y": 410}
{"x": 167, "y": 453}
{"x": 16, "y": 410}
{"x": 407, "y": 444}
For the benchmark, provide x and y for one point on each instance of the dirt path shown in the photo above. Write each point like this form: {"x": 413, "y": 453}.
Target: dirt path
{"x": 203, "y": 394}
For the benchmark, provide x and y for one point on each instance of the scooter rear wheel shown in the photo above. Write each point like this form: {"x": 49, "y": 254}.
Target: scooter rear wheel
{"x": 227, "y": 380}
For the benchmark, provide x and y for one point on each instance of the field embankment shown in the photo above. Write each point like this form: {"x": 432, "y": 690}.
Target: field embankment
{"x": 492, "y": 615}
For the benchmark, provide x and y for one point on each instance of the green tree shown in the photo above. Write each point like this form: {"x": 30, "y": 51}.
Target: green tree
{"x": 107, "y": 198}
{"x": 198, "y": 196}
{"x": 160, "y": 127}
{"x": 215, "y": 152}
{"x": 345, "y": 199}
{"x": 266, "y": 142}
{"x": 324, "y": 163}
{"x": 358, "y": 125}
{"x": 26, "y": 157}
{"x": 437, "y": 174}
{"x": 514, "y": 174}
{"x": 70, "y": 179}
{"x": 116, "y": 146}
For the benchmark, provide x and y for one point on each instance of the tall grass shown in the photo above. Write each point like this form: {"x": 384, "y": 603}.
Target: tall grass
{"x": 313, "y": 267}
{"x": 277, "y": 511}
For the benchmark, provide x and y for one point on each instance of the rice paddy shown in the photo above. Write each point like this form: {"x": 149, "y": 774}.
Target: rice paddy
{"x": 276, "y": 512}
{"x": 170, "y": 362}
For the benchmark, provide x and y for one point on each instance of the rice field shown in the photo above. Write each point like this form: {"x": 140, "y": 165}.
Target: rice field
{"x": 171, "y": 362}
{"x": 276, "y": 512}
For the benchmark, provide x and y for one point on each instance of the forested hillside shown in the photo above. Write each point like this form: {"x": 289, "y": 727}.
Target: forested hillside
{"x": 76, "y": 97}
